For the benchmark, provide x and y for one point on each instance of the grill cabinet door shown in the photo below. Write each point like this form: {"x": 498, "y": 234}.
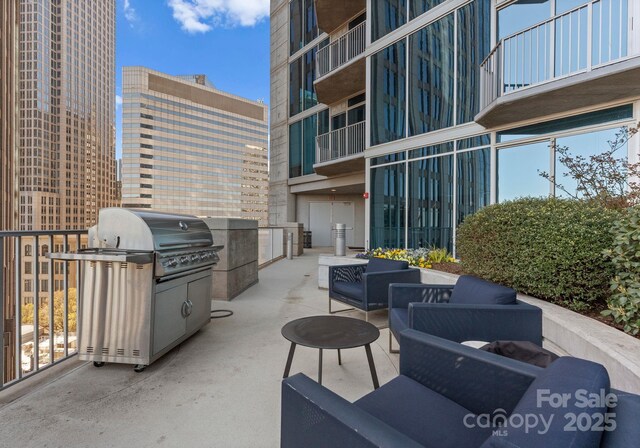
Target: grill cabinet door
{"x": 199, "y": 294}
{"x": 169, "y": 324}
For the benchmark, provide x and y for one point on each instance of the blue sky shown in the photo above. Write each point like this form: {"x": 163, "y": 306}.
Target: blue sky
{"x": 228, "y": 40}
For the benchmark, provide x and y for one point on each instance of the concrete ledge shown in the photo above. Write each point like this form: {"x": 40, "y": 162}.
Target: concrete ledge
{"x": 568, "y": 333}
{"x": 229, "y": 284}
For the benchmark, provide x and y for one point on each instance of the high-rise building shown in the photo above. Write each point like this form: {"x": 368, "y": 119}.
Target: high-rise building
{"x": 402, "y": 117}
{"x": 8, "y": 112}
{"x": 8, "y": 181}
{"x": 190, "y": 148}
{"x": 67, "y": 112}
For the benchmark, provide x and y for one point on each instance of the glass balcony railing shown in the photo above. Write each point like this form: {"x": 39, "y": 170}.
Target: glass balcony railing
{"x": 342, "y": 50}
{"x": 340, "y": 143}
{"x": 580, "y": 40}
{"x": 38, "y": 314}
{"x": 270, "y": 245}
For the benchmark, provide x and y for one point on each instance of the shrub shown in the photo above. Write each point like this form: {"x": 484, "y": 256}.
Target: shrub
{"x": 549, "y": 248}
{"x": 624, "y": 303}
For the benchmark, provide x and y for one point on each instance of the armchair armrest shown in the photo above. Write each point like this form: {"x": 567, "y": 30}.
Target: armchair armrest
{"x": 376, "y": 284}
{"x": 480, "y": 381}
{"x": 346, "y": 273}
{"x": 464, "y": 322}
{"x": 315, "y": 417}
{"x": 401, "y": 295}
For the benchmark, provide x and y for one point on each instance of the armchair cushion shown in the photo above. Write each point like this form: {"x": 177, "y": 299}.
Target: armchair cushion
{"x": 565, "y": 376}
{"x": 354, "y": 290}
{"x": 383, "y": 265}
{"x": 422, "y": 414}
{"x": 473, "y": 290}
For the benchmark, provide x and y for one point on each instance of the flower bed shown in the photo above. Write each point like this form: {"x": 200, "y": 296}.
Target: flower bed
{"x": 421, "y": 258}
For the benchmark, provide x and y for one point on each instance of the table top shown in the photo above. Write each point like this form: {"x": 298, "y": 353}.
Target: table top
{"x": 330, "y": 332}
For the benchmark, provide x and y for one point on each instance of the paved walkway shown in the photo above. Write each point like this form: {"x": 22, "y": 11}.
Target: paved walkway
{"x": 219, "y": 389}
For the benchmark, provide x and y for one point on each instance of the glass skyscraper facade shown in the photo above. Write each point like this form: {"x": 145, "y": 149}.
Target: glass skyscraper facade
{"x": 464, "y": 105}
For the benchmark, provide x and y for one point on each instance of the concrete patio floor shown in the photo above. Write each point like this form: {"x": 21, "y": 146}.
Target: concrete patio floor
{"x": 221, "y": 388}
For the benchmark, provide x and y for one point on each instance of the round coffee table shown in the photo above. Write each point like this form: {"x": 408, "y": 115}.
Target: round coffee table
{"x": 331, "y": 333}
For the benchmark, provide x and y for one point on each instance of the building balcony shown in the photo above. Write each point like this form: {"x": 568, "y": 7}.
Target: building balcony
{"x": 332, "y": 14}
{"x": 340, "y": 151}
{"x": 341, "y": 69}
{"x": 581, "y": 58}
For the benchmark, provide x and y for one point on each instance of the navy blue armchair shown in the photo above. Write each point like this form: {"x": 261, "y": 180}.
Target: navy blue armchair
{"x": 472, "y": 309}
{"x": 366, "y": 287}
{"x": 444, "y": 397}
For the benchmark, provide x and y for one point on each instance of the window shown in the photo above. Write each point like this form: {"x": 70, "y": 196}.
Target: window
{"x": 386, "y": 16}
{"x": 28, "y": 250}
{"x": 295, "y": 149}
{"x": 388, "y": 206}
{"x": 28, "y": 285}
{"x": 419, "y": 7}
{"x": 310, "y": 126}
{"x": 388, "y": 96}
{"x": 303, "y": 24}
{"x": 431, "y": 202}
{"x": 28, "y": 268}
{"x": 473, "y": 182}
{"x": 518, "y": 171}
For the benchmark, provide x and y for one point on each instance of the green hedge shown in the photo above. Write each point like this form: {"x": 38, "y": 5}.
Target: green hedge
{"x": 624, "y": 303}
{"x": 552, "y": 249}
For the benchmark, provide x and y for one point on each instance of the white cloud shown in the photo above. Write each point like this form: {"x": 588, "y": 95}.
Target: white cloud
{"x": 118, "y": 101}
{"x": 129, "y": 12}
{"x": 200, "y": 16}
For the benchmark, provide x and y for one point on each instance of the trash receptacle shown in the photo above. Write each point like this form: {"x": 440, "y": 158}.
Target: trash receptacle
{"x": 306, "y": 239}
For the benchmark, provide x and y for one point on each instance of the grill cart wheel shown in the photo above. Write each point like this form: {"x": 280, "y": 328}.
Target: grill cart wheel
{"x": 98, "y": 364}
{"x": 139, "y": 368}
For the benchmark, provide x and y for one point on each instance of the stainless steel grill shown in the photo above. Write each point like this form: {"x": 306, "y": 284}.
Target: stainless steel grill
{"x": 146, "y": 285}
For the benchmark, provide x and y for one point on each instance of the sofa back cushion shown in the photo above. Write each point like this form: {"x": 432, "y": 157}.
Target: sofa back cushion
{"x": 382, "y": 265}
{"x": 473, "y": 290}
{"x": 563, "y": 407}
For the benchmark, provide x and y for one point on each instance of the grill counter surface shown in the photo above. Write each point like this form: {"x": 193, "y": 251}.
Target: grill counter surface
{"x": 146, "y": 285}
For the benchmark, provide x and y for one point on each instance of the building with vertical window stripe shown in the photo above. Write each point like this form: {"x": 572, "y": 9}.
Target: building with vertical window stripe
{"x": 423, "y": 112}
{"x": 190, "y": 148}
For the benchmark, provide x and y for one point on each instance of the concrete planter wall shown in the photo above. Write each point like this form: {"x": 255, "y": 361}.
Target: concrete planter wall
{"x": 564, "y": 332}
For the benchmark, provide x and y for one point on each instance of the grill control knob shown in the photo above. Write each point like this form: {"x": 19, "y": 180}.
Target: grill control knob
{"x": 195, "y": 258}
{"x": 184, "y": 260}
{"x": 172, "y": 262}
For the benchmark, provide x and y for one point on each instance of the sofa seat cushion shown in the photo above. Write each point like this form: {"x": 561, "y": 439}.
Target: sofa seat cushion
{"x": 473, "y": 290}
{"x": 398, "y": 320}
{"x": 384, "y": 265}
{"x": 564, "y": 376}
{"x": 422, "y": 414}
{"x": 354, "y": 290}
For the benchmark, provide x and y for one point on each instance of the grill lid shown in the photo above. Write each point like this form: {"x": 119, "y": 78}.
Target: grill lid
{"x": 145, "y": 230}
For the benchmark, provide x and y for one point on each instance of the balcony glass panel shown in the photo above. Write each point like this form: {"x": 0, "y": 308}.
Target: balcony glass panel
{"x": 431, "y": 87}
{"x": 473, "y": 182}
{"x": 388, "y": 94}
{"x": 388, "y": 206}
{"x": 431, "y": 202}
{"x": 522, "y": 15}
{"x": 387, "y": 15}
{"x": 519, "y": 168}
